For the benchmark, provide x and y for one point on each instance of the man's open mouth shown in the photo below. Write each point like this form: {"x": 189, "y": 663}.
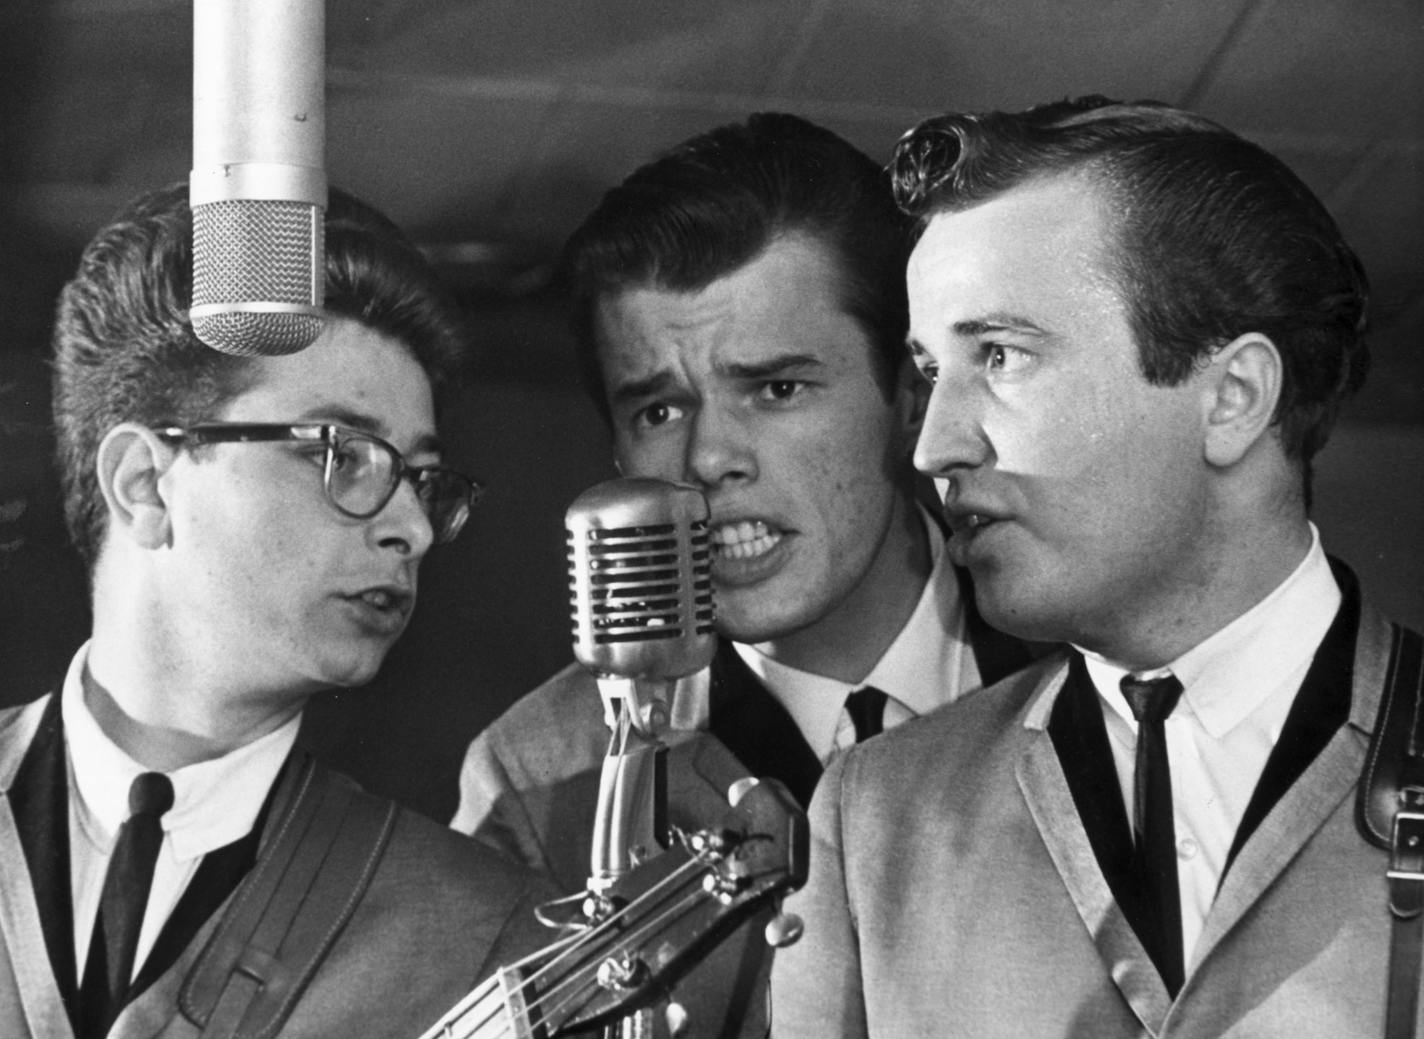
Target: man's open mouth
{"x": 745, "y": 539}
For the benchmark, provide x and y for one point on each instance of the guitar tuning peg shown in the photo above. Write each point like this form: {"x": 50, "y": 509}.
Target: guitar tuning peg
{"x": 676, "y": 1017}
{"x": 784, "y": 929}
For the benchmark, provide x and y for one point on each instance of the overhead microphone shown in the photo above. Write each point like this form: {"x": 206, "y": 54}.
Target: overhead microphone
{"x": 258, "y": 184}
{"x": 640, "y": 583}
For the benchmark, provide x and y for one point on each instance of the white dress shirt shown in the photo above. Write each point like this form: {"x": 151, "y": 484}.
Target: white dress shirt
{"x": 928, "y": 664}
{"x": 214, "y": 803}
{"x": 1238, "y": 687}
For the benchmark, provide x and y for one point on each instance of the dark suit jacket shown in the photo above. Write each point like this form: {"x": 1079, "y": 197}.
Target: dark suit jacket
{"x": 529, "y": 787}
{"x": 440, "y": 913}
{"x": 955, "y": 890}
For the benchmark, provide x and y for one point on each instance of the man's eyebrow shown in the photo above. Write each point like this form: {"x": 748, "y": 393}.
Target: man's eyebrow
{"x": 658, "y": 383}
{"x": 770, "y": 367}
{"x": 996, "y": 323}
{"x": 636, "y": 389}
{"x": 339, "y": 415}
{"x": 428, "y": 443}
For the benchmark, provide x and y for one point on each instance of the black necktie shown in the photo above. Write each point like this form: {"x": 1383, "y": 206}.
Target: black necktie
{"x": 1155, "y": 848}
{"x": 110, "y": 964}
{"x": 866, "y": 708}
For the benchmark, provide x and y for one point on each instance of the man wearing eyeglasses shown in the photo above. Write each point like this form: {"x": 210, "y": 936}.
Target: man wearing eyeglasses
{"x": 253, "y": 528}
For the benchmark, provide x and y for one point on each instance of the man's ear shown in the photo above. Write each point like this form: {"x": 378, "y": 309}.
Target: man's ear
{"x": 1241, "y": 392}
{"x": 130, "y": 461}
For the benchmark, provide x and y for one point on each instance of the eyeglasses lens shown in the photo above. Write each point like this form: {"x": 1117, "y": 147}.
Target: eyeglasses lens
{"x": 362, "y": 474}
{"x": 446, "y": 497}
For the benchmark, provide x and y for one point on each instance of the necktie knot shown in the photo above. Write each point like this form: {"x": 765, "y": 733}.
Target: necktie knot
{"x": 866, "y": 708}
{"x": 151, "y": 793}
{"x": 1151, "y": 700}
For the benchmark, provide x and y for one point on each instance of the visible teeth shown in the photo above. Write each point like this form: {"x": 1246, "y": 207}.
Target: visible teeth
{"x": 744, "y": 540}
{"x": 379, "y": 598}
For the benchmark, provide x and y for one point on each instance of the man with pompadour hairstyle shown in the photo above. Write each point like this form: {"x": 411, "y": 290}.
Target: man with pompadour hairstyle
{"x": 174, "y": 862}
{"x": 740, "y": 309}
{"x": 1139, "y": 329}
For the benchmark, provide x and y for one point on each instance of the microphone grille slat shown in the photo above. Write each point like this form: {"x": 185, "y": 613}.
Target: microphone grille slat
{"x": 641, "y": 589}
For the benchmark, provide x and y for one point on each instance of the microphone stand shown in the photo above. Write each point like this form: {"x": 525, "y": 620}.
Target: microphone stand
{"x": 641, "y": 590}
{"x": 630, "y": 824}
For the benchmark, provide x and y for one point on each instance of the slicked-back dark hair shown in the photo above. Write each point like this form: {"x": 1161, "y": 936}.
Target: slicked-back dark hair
{"x": 1213, "y": 237}
{"x": 124, "y": 349}
{"x": 715, "y": 202}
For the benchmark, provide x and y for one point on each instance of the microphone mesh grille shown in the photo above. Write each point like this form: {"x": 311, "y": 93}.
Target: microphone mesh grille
{"x": 257, "y": 252}
{"x": 237, "y": 332}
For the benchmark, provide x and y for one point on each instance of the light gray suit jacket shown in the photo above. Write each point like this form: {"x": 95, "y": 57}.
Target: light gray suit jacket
{"x": 954, "y": 892}
{"x": 440, "y": 913}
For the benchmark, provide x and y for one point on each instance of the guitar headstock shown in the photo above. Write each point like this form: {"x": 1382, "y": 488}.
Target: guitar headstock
{"x": 649, "y": 928}
{"x": 669, "y": 913}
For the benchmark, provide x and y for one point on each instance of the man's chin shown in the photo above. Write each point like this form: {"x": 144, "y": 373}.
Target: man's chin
{"x": 353, "y": 674}
{"x": 1023, "y": 616}
{"x": 757, "y": 624}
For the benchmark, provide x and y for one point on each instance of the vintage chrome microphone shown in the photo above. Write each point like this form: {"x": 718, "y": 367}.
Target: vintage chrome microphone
{"x": 641, "y": 595}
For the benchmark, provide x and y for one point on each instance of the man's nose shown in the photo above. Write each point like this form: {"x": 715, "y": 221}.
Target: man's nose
{"x": 720, "y": 448}
{"x": 952, "y": 435}
{"x": 404, "y": 522}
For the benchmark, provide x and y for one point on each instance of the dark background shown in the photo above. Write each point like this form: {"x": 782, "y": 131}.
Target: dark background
{"x": 488, "y": 128}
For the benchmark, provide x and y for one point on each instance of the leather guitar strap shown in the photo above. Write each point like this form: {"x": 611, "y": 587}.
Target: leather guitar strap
{"x": 284, "y": 917}
{"x": 1390, "y": 815}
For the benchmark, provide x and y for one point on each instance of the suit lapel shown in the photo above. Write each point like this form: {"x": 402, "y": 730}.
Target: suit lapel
{"x": 217, "y": 876}
{"x": 1058, "y": 765}
{"x": 1080, "y": 742}
{"x": 1293, "y": 821}
{"x": 35, "y": 907}
{"x": 1302, "y": 786}
{"x": 1320, "y": 707}
{"x": 155, "y": 1011}
{"x": 753, "y": 725}
{"x": 1346, "y": 665}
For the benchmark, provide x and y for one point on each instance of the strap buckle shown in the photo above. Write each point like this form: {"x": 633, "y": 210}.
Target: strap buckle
{"x": 1406, "y": 860}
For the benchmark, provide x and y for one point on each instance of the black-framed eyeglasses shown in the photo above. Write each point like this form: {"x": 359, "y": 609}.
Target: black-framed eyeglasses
{"x": 359, "y": 471}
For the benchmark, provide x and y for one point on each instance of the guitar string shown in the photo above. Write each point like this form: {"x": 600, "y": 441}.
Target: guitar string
{"x": 647, "y": 924}
{"x": 596, "y": 933}
{"x": 622, "y": 731}
{"x": 593, "y": 934}
{"x": 634, "y": 937}
{"x": 545, "y": 1001}
{"x": 542, "y": 1001}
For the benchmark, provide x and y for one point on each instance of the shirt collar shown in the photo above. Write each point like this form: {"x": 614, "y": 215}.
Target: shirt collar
{"x": 1232, "y": 672}
{"x": 214, "y": 802}
{"x": 926, "y": 658}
